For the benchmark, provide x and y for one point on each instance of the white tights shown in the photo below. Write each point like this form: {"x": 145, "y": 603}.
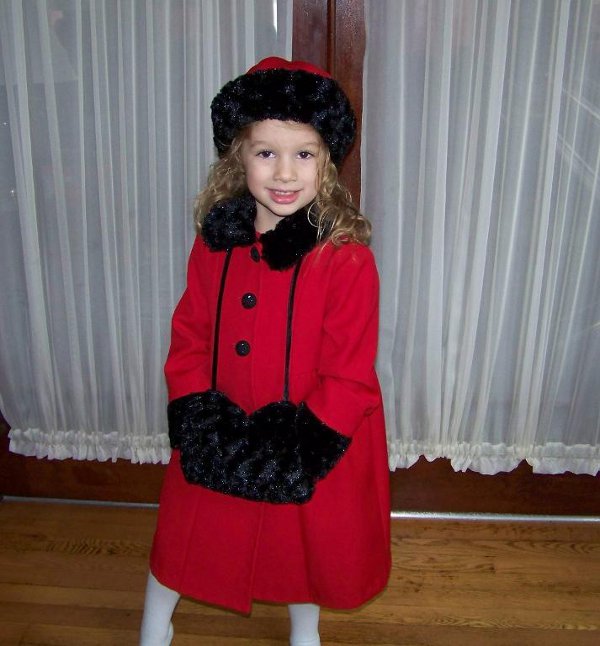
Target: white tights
{"x": 304, "y": 620}
{"x": 160, "y": 603}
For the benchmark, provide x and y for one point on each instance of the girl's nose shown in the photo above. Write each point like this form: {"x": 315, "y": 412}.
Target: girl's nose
{"x": 285, "y": 170}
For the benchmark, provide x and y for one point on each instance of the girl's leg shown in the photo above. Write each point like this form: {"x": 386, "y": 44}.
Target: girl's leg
{"x": 304, "y": 619}
{"x": 157, "y": 629}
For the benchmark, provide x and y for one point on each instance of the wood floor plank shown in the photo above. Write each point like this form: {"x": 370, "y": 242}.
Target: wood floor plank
{"x": 50, "y": 635}
{"x": 451, "y": 636}
{"x": 12, "y": 632}
{"x": 68, "y": 596}
{"x": 75, "y": 576}
{"x": 126, "y": 574}
{"x": 416, "y": 529}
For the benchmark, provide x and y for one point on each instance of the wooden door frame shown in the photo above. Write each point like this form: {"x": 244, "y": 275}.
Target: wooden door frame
{"x": 331, "y": 34}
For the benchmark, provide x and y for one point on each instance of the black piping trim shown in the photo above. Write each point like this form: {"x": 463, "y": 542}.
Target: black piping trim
{"x": 288, "y": 339}
{"x": 215, "y": 361}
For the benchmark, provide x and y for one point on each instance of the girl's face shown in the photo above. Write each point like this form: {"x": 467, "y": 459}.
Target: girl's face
{"x": 281, "y": 160}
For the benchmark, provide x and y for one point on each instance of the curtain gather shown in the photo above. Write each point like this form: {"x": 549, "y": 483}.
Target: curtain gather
{"x": 105, "y": 138}
{"x": 481, "y": 167}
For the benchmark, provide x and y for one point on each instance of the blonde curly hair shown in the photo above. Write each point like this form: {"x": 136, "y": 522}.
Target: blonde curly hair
{"x": 332, "y": 212}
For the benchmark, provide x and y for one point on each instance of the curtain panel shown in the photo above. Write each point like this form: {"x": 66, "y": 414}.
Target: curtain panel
{"x": 105, "y": 138}
{"x": 481, "y": 173}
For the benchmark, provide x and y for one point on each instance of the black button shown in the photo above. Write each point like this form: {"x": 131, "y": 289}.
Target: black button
{"x": 248, "y": 300}
{"x": 242, "y": 348}
{"x": 254, "y": 254}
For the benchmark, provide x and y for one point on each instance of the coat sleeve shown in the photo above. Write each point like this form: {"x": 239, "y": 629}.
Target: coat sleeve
{"x": 347, "y": 389}
{"x": 188, "y": 365}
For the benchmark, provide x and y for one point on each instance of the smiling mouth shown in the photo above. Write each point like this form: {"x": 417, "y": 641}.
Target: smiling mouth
{"x": 283, "y": 197}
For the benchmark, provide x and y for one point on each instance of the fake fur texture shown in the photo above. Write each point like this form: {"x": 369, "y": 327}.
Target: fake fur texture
{"x": 230, "y": 223}
{"x": 277, "y": 454}
{"x": 285, "y": 95}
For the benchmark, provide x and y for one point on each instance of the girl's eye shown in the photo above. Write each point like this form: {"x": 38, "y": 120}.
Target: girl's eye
{"x": 305, "y": 154}
{"x": 265, "y": 154}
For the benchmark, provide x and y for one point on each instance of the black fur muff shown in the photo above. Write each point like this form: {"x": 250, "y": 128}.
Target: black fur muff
{"x": 277, "y": 454}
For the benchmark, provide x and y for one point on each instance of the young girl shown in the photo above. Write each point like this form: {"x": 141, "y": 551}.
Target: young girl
{"x": 277, "y": 489}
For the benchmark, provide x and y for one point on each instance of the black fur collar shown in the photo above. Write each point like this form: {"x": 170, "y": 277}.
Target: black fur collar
{"x": 231, "y": 224}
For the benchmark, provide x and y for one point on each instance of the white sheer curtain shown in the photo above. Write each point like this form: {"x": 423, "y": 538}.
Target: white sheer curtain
{"x": 481, "y": 172}
{"x": 104, "y": 140}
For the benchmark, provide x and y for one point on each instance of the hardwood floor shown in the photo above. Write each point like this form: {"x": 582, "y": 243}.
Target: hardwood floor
{"x": 75, "y": 574}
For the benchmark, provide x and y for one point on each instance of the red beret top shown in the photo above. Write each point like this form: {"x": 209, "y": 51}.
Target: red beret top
{"x": 277, "y": 63}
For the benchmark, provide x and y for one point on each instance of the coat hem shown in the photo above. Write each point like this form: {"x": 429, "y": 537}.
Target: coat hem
{"x": 241, "y": 608}
{"x": 246, "y": 608}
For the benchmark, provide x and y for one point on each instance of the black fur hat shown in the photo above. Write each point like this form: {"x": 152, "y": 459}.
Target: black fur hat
{"x": 287, "y": 91}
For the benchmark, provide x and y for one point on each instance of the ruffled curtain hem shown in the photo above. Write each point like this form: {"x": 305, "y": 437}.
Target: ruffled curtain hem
{"x": 82, "y": 445}
{"x": 488, "y": 459}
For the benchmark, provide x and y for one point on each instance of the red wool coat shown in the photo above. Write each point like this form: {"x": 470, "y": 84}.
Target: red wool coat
{"x": 335, "y": 549}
